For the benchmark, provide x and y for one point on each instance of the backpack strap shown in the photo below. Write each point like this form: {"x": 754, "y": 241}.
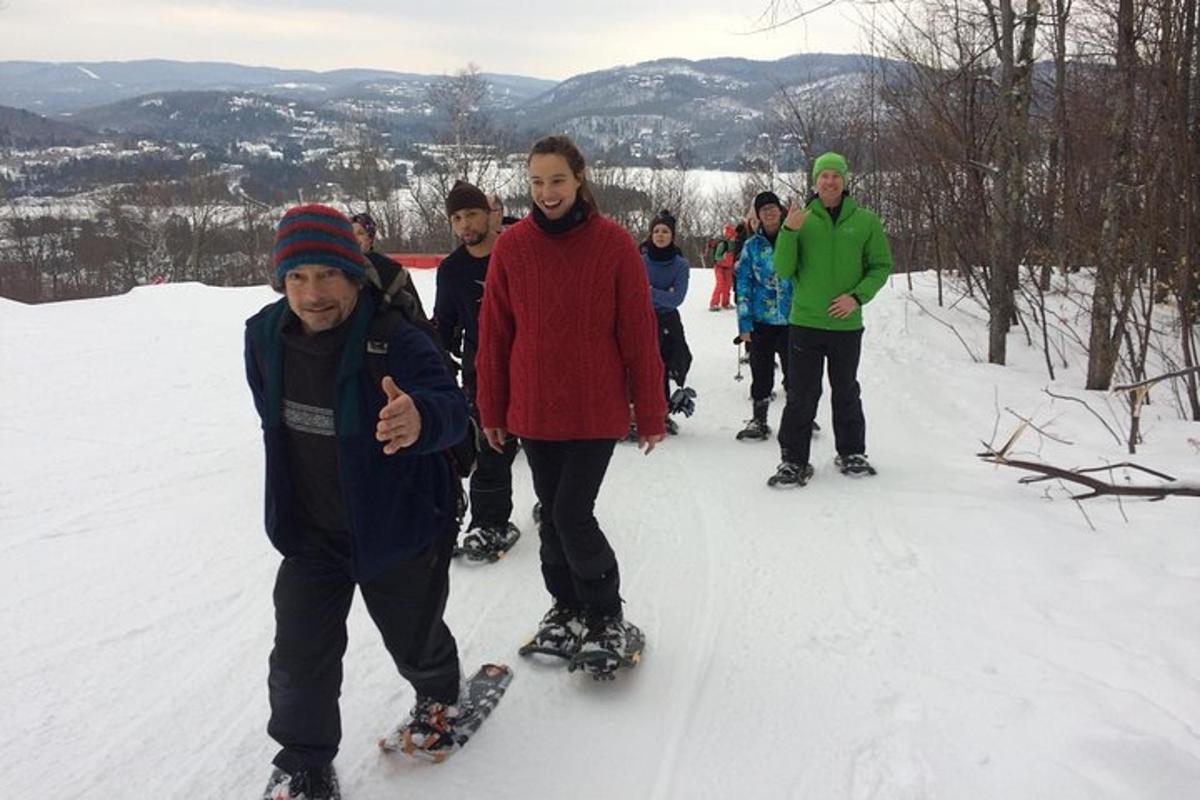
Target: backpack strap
{"x": 398, "y": 284}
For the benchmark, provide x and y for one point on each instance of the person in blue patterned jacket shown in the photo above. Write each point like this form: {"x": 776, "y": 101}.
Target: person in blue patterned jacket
{"x": 763, "y": 304}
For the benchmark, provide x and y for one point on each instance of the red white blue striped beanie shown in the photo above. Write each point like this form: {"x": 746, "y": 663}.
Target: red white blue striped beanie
{"x": 316, "y": 234}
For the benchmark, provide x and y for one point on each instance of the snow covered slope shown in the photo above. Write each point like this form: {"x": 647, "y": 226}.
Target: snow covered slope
{"x": 939, "y": 631}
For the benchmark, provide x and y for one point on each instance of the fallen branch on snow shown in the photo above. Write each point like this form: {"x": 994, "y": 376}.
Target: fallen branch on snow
{"x": 1097, "y": 487}
{"x": 1080, "y": 476}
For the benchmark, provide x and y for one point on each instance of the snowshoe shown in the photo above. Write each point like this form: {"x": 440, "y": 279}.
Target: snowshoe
{"x": 854, "y": 465}
{"x": 558, "y": 634}
{"x": 488, "y": 543}
{"x": 683, "y": 401}
{"x": 318, "y": 783}
{"x": 609, "y": 644}
{"x": 756, "y": 430}
{"x": 788, "y": 475}
{"x": 435, "y": 731}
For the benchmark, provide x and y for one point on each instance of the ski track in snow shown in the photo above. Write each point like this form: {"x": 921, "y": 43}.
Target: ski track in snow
{"x": 938, "y": 631}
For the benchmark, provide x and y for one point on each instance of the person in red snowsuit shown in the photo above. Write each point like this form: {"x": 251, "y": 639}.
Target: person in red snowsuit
{"x": 723, "y": 267}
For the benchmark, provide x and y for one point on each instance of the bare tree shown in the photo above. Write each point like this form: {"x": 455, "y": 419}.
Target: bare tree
{"x": 1059, "y": 161}
{"x": 1108, "y": 313}
{"x": 1014, "y": 45}
{"x": 203, "y": 197}
{"x": 470, "y": 146}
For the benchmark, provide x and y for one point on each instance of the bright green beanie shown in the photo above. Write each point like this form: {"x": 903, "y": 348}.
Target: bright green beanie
{"x": 830, "y": 160}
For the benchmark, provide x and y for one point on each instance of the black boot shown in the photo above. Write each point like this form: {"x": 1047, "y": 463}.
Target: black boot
{"x": 757, "y": 428}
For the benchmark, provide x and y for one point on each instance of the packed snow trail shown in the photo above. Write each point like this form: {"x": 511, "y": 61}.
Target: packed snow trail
{"x": 936, "y": 631}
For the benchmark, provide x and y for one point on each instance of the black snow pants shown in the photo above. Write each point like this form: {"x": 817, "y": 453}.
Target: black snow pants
{"x": 810, "y": 349}
{"x": 491, "y": 481}
{"x": 767, "y": 342}
{"x": 313, "y": 593}
{"x": 578, "y": 565}
{"x": 491, "y": 485}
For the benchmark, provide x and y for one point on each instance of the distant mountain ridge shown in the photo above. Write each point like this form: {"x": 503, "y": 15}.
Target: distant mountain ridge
{"x": 708, "y": 113}
{"x": 658, "y": 107}
{"x": 23, "y": 129}
{"x": 52, "y": 88}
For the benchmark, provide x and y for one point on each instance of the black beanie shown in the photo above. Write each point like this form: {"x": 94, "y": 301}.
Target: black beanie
{"x": 765, "y": 199}
{"x": 464, "y": 195}
{"x": 367, "y": 222}
{"x": 663, "y": 217}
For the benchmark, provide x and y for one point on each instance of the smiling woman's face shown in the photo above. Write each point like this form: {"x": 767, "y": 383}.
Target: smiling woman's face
{"x": 552, "y": 185}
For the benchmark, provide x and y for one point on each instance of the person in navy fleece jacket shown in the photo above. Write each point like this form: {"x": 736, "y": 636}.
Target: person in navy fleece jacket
{"x": 358, "y": 491}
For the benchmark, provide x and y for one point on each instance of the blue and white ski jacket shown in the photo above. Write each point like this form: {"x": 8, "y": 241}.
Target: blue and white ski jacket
{"x": 762, "y": 296}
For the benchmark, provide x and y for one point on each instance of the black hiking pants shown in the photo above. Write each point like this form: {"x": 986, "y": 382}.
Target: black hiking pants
{"x": 313, "y": 592}
{"x": 491, "y": 485}
{"x": 810, "y": 349}
{"x": 578, "y": 565}
{"x": 673, "y": 347}
{"x": 767, "y": 342}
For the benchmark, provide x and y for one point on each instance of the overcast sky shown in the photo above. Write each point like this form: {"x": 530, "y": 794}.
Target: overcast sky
{"x": 546, "y": 40}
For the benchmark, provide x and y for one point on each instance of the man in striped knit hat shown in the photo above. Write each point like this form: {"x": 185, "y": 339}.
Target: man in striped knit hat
{"x": 358, "y": 493}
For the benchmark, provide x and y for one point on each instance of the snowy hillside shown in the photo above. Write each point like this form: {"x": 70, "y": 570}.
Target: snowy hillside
{"x": 939, "y": 631}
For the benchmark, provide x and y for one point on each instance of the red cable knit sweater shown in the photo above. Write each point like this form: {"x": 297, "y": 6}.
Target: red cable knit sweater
{"x": 567, "y": 335}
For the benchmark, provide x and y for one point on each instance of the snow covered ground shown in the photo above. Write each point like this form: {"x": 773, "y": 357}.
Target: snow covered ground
{"x": 939, "y": 631}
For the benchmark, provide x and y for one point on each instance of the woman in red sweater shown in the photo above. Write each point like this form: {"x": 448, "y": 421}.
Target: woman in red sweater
{"x": 567, "y": 337}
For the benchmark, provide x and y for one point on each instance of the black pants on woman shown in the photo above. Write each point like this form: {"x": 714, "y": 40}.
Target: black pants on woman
{"x": 578, "y": 565}
{"x": 673, "y": 347}
{"x": 810, "y": 349}
{"x": 313, "y": 592}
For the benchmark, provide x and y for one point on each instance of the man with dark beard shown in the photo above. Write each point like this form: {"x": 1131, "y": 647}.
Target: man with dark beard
{"x": 460, "y": 279}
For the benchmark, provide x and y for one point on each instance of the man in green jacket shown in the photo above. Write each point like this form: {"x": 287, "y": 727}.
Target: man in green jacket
{"x": 836, "y": 255}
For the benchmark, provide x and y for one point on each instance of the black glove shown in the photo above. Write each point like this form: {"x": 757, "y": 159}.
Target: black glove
{"x": 683, "y": 401}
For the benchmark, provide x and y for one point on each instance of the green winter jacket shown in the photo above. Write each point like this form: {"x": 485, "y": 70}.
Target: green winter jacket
{"x": 824, "y": 260}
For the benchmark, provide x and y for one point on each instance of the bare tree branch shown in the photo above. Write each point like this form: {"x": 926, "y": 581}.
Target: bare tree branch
{"x": 1029, "y": 422}
{"x": 1129, "y": 465}
{"x": 1151, "y": 381}
{"x": 772, "y": 17}
{"x": 1097, "y": 487}
{"x": 1108, "y": 427}
{"x": 970, "y": 352}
